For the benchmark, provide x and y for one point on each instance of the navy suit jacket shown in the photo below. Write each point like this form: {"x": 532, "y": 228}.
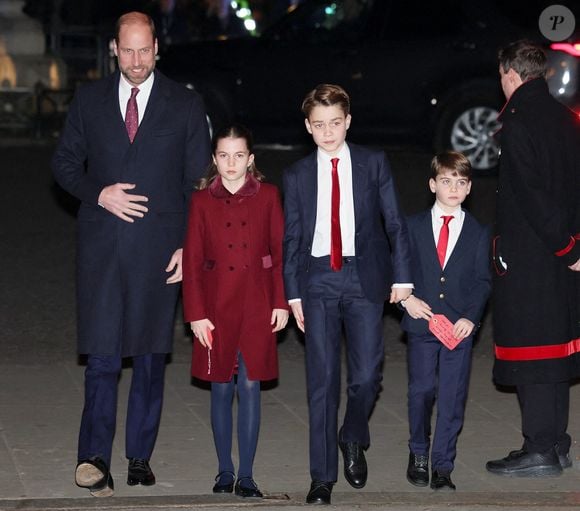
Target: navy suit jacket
{"x": 462, "y": 288}
{"x": 381, "y": 241}
{"x": 123, "y": 303}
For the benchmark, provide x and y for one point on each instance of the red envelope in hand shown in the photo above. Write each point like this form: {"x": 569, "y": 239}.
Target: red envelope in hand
{"x": 442, "y": 328}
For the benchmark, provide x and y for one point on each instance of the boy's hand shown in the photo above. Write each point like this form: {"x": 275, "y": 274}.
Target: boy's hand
{"x": 417, "y": 308}
{"x": 462, "y": 328}
{"x": 298, "y": 314}
{"x": 399, "y": 293}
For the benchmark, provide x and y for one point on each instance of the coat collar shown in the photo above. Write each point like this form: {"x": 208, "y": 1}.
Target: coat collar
{"x": 525, "y": 93}
{"x": 248, "y": 189}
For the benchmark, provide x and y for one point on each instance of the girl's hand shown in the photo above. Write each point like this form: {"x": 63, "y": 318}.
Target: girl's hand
{"x": 279, "y": 319}
{"x": 202, "y": 331}
{"x": 463, "y": 328}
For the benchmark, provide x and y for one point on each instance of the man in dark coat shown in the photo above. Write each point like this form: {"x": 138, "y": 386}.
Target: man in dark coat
{"x": 537, "y": 262}
{"x": 133, "y": 146}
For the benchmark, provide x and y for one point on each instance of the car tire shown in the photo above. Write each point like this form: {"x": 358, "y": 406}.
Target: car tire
{"x": 470, "y": 126}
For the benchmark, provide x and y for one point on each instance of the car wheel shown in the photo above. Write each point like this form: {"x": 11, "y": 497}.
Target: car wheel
{"x": 471, "y": 128}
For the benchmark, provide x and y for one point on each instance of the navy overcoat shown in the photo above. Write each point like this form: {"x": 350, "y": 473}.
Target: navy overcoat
{"x": 124, "y": 305}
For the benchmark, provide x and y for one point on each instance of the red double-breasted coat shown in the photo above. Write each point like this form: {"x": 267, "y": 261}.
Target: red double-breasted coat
{"x": 232, "y": 275}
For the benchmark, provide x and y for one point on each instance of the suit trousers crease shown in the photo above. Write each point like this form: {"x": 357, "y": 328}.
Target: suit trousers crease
{"x": 144, "y": 406}
{"x": 545, "y": 409}
{"x": 333, "y": 299}
{"x": 437, "y": 374}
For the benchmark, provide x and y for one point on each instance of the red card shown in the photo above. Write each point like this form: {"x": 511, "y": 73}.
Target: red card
{"x": 209, "y": 337}
{"x": 442, "y": 328}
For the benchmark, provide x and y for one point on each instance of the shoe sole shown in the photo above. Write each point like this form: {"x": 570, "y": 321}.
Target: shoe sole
{"x": 420, "y": 484}
{"x": 87, "y": 475}
{"x": 541, "y": 471}
{"x": 135, "y": 482}
{"x": 105, "y": 492}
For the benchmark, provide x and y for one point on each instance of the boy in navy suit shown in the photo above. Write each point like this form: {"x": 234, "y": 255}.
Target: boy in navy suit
{"x": 450, "y": 263}
{"x": 345, "y": 245}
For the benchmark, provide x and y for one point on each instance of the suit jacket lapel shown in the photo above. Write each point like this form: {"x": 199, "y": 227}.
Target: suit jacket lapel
{"x": 466, "y": 238}
{"x": 426, "y": 233}
{"x": 359, "y": 182}
{"x": 309, "y": 186}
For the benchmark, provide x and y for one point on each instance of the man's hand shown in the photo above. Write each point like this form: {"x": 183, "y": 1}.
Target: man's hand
{"x": 417, "y": 308}
{"x": 399, "y": 293}
{"x": 202, "y": 331}
{"x": 298, "y": 314}
{"x": 575, "y": 266}
{"x": 462, "y": 328}
{"x": 175, "y": 263}
{"x": 279, "y": 319}
{"x": 124, "y": 205}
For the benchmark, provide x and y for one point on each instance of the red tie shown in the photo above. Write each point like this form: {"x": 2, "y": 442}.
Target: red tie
{"x": 443, "y": 239}
{"x": 132, "y": 115}
{"x": 336, "y": 241}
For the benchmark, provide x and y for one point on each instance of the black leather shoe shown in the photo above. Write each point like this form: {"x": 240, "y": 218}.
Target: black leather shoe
{"x": 140, "y": 473}
{"x": 224, "y": 482}
{"x": 94, "y": 474}
{"x": 418, "y": 469}
{"x": 355, "y": 464}
{"x": 440, "y": 481}
{"x": 247, "y": 487}
{"x": 526, "y": 464}
{"x": 563, "y": 457}
{"x": 319, "y": 493}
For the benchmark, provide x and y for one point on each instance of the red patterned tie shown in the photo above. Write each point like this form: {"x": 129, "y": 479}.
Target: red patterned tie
{"x": 443, "y": 239}
{"x": 336, "y": 240}
{"x": 132, "y": 115}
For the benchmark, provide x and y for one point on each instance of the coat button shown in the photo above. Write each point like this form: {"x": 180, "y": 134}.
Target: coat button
{"x": 228, "y": 224}
{"x": 245, "y": 245}
{"x": 230, "y": 246}
{"x": 243, "y": 223}
{"x": 227, "y": 201}
{"x": 441, "y": 296}
{"x": 231, "y": 268}
{"x": 442, "y": 279}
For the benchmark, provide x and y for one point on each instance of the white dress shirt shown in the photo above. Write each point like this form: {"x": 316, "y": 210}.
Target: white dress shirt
{"x": 455, "y": 226}
{"x": 322, "y": 233}
{"x": 142, "y": 98}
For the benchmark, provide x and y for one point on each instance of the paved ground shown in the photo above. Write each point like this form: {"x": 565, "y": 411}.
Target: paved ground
{"x": 41, "y": 387}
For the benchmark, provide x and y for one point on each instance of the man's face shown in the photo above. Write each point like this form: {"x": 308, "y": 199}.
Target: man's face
{"x": 136, "y": 51}
{"x": 328, "y": 126}
{"x": 510, "y": 81}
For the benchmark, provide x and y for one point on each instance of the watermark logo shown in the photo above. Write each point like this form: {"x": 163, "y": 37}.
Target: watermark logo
{"x": 557, "y": 22}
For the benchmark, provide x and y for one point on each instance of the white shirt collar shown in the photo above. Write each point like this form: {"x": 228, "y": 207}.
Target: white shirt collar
{"x": 144, "y": 88}
{"x": 324, "y": 157}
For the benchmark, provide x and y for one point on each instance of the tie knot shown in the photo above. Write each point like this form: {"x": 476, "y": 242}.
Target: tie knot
{"x": 447, "y": 219}
{"x": 134, "y": 92}
{"x": 334, "y": 162}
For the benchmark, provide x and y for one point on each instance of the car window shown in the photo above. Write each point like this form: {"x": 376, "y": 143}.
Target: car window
{"x": 329, "y": 21}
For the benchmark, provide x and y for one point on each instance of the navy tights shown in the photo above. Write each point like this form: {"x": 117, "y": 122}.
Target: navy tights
{"x": 222, "y": 395}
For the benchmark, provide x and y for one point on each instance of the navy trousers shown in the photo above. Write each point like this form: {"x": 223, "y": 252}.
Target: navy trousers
{"x": 100, "y": 410}
{"x": 334, "y": 299}
{"x": 437, "y": 373}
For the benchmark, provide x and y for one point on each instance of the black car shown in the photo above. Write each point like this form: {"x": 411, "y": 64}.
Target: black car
{"x": 425, "y": 71}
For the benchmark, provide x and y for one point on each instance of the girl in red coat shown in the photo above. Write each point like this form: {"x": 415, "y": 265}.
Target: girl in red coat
{"x": 233, "y": 296}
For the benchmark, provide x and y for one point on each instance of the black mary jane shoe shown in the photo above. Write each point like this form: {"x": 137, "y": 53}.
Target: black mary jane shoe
{"x": 224, "y": 482}
{"x": 247, "y": 487}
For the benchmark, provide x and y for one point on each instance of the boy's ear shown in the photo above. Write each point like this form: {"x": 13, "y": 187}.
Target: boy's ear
{"x": 308, "y": 127}
{"x": 347, "y": 121}
{"x": 432, "y": 185}
{"x": 468, "y": 187}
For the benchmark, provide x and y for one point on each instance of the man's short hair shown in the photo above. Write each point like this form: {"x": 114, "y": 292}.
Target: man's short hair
{"x": 526, "y": 58}
{"x": 451, "y": 161}
{"x": 326, "y": 94}
{"x": 132, "y": 18}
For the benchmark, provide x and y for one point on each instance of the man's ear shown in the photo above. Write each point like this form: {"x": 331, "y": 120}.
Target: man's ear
{"x": 156, "y": 47}
{"x": 347, "y": 121}
{"x": 308, "y": 127}
{"x": 115, "y": 50}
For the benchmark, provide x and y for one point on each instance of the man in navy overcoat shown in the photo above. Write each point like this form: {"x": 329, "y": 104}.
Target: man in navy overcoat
{"x": 133, "y": 146}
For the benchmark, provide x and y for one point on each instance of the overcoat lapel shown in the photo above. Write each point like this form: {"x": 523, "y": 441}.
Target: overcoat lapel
{"x": 115, "y": 122}
{"x": 359, "y": 183}
{"x": 309, "y": 187}
{"x": 155, "y": 106}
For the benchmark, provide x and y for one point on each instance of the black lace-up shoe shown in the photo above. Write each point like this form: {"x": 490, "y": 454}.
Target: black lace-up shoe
{"x": 355, "y": 463}
{"x": 140, "y": 473}
{"x": 418, "y": 469}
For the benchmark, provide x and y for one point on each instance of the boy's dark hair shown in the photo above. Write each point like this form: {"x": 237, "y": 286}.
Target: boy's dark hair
{"x": 131, "y": 18}
{"x": 452, "y": 161}
{"x": 230, "y": 131}
{"x": 526, "y": 58}
{"x": 326, "y": 94}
